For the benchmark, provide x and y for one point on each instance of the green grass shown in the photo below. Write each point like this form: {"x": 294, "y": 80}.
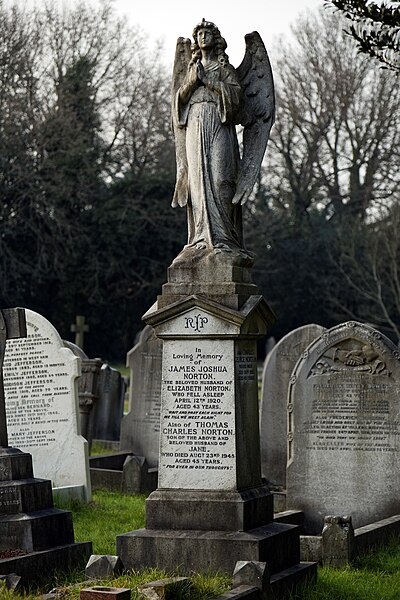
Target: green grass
{"x": 98, "y": 449}
{"x": 200, "y": 587}
{"x": 109, "y": 514}
{"x": 374, "y": 576}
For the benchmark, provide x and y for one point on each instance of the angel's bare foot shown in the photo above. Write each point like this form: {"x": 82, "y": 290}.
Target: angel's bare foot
{"x": 201, "y": 246}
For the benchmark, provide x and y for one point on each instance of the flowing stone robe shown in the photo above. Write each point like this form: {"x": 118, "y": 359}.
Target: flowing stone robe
{"x": 212, "y": 157}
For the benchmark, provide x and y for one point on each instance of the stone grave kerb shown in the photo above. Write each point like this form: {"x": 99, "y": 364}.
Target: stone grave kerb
{"x": 346, "y": 381}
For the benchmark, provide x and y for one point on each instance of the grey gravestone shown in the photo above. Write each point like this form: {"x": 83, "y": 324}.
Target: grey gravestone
{"x": 109, "y": 408}
{"x": 140, "y": 430}
{"x": 344, "y": 428}
{"x": 88, "y": 384}
{"x": 42, "y": 406}
{"x": 278, "y": 368}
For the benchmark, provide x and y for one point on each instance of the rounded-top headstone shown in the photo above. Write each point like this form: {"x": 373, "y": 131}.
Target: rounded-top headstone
{"x": 344, "y": 428}
{"x": 278, "y": 368}
{"x": 42, "y": 405}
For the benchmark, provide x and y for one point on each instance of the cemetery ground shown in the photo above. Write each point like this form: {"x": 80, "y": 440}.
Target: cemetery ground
{"x": 375, "y": 576}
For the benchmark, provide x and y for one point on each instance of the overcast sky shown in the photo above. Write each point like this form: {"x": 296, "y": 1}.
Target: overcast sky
{"x": 169, "y": 19}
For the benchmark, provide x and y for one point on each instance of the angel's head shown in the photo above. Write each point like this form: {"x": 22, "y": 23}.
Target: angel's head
{"x": 206, "y": 33}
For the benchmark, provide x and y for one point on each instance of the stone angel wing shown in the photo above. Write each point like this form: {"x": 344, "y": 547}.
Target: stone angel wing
{"x": 255, "y": 76}
{"x": 183, "y": 56}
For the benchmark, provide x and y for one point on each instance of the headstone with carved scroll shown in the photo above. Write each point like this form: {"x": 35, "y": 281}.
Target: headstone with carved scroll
{"x": 42, "y": 406}
{"x": 344, "y": 428}
{"x": 278, "y": 368}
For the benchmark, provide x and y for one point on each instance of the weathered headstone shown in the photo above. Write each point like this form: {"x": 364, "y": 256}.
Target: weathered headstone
{"x": 88, "y": 390}
{"x": 109, "y": 408}
{"x": 278, "y": 368}
{"x": 344, "y": 428}
{"x": 42, "y": 406}
{"x": 140, "y": 429}
{"x": 33, "y": 533}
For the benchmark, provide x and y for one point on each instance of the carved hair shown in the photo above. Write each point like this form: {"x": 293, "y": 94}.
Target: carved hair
{"x": 220, "y": 43}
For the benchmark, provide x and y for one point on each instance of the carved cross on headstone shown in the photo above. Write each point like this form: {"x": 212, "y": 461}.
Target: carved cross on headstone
{"x": 79, "y": 328}
{"x": 12, "y": 325}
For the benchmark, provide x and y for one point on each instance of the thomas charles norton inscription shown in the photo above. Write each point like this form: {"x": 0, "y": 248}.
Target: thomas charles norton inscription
{"x": 198, "y": 441}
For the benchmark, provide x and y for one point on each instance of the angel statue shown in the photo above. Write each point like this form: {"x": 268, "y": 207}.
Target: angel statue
{"x": 209, "y": 98}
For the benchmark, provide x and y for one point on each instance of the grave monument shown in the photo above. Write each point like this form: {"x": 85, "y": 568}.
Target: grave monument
{"x": 211, "y": 509}
{"x": 40, "y": 385}
{"x": 140, "y": 428}
{"x": 277, "y": 370}
{"x": 88, "y": 392}
{"x": 35, "y": 537}
{"x": 109, "y": 409}
{"x": 344, "y": 428}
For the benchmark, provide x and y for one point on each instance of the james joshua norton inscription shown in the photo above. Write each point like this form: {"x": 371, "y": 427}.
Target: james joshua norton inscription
{"x": 198, "y": 442}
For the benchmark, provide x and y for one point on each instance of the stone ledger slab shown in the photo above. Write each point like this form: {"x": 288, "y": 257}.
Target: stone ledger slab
{"x": 42, "y": 405}
{"x": 344, "y": 428}
{"x": 277, "y": 371}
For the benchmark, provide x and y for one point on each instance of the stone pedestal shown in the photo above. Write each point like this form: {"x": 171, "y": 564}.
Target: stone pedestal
{"x": 210, "y": 509}
{"x": 29, "y": 522}
{"x": 214, "y": 275}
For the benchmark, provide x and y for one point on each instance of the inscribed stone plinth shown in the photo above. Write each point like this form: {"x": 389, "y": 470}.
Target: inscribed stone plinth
{"x": 109, "y": 408}
{"x": 344, "y": 428}
{"x": 278, "y": 368}
{"x": 140, "y": 428}
{"x": 42, "y": 405}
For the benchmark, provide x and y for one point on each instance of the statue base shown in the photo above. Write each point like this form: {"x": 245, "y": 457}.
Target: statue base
{"x": 221, "y": 276}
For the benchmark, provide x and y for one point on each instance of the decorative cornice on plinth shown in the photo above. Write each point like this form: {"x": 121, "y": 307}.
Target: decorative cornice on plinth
{"x": 236, "y": 322}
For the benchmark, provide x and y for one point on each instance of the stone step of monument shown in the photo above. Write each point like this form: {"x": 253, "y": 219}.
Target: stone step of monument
{"x": 276, "y": 544}
{"x": 285, "y": 582}
{"x": 292, "y": 517}
{"x": 32, "y": 567}
{"x": 15, "y": 464}
{"x": 25, "y": 496}
{"x": 37, "y": 530}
